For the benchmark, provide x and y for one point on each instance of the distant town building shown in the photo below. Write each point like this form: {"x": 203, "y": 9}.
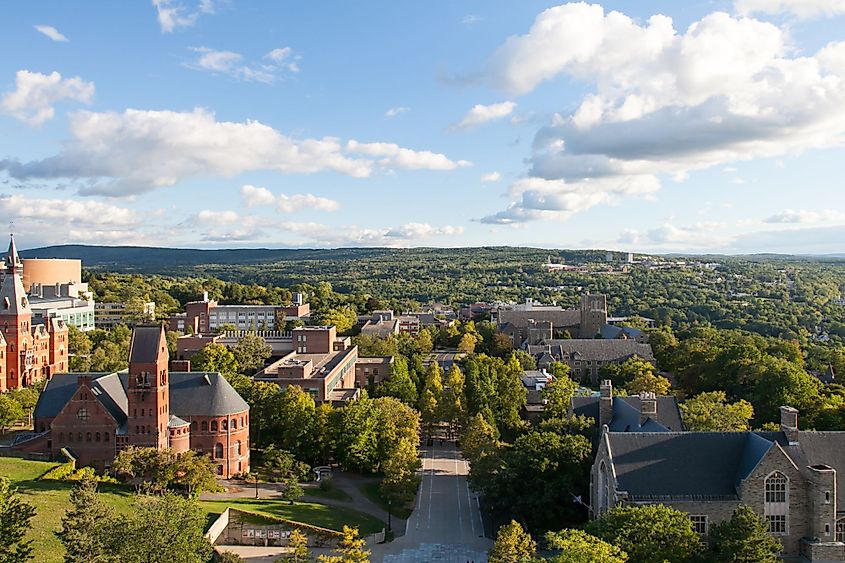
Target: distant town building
{"x": 381, "y": 324}
{"x": 584, "y": 322}
{"x": 95, "y": 415}
{"x": 372, "y": 370}
{"x": 109, "y": 315}
{"x": 71, "y": 302}
{"x": 789, "y": 477}
{"x": 207, "y": 315}
{"x": 29, "y": 352}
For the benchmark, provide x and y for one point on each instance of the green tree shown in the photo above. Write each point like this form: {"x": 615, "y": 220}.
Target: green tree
{"x": 510, "y": 394}
{"x": 11, "y": 411}
{"x": 343, "y": 318}
{"x": 215, "y": 357}
{"x": 79, "y": 350}
{"x": 251, "y": 352}
{"x": 557, "y": 395}
{"x": 629, "y": 370}
{"x": 513, "y": 545}
{"x": 744, "y": 539}
{"x": 194, "y": 472}
{"x": 84, "y": 532}
{"x": 292, "y": 416}
{"x": 711, "y": 412}
{"x": 454, "y": 398}
{"x": 467, "y": 343}
{"x": 298, "y": 544}
{"x": 577, "y": 546}
{"x": 648, "y": 382}
{"x": 649, "y": 534}
{"x": 399, "y": 384}
{"x": 350, "y": 550}
{"x": 432, "y": 395}
{"x": 15, "y": 516}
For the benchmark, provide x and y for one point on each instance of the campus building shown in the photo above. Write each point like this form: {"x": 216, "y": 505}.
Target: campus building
{"x": 517, "y": 321}
{"x": 789, "y": 477}
{"x": 29, "y": 352}
{"x": 95, "y": 415}
{"x": 207, "y": 315}
{"x": 109, "y": 315}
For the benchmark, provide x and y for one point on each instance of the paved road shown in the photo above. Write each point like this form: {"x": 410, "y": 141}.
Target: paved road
{"x": 446, "y": 523}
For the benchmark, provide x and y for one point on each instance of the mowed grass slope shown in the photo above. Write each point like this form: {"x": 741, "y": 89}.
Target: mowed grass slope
{"x": 51, "y": 500}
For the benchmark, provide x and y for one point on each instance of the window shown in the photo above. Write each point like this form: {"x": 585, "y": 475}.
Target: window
{"x": 214, "y": 426}
{"x": 234, "y": 424}
{"x": 87, "y": 436}
{"x": 82, "y": 414}
{"x": 699, "y": 523}
{"x": 204, "y": 426}
{"x": 776, "y": 503}
{"x": 220, "y": 470}
{"x": 97, "y": 437}
{"x": 238, "y": 447}
{"x": 224, "y": 424}
{"x": 218, "y": 450}
{"x": 827, "y": 497}
{"x": 840, "y": 530}
{"x": 106, "y": 436}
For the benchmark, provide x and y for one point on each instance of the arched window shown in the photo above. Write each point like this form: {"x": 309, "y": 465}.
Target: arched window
{"x": 224, "y": 424}
{"x": 234, "y": 424}
{"x": 603, "y": 490}
{"x": 218, "y": 450}
{"x": 204, "y": 426}
{"x": 214, "y": 426}
{"x": 193, "y": 426}
{"x": 238, "y": 447}
{"x": 776, "y": 503}
{"x": 97, "y": 437}
{"x": 106, "y": 436}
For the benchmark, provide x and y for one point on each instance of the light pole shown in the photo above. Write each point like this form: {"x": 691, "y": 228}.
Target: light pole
{"x": 389, "y": 503}
{"x": 256, "y": 485}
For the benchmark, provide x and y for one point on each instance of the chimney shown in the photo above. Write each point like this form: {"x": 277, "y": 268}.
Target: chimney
{"x": 648, "y": 406}
{"x": 205, "y": 297}
{"x": 788, "y": 419}
{"x": 605, "y": 402}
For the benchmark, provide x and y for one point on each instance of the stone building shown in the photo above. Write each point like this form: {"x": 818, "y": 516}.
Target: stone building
{"x": 645, "y": 412}
{"x": 95, "y": 415}
{"x": 30, "y": 352}
{"x": 586, "y": 357}
{"x": 585, "y": 321}
{"x": 789, "y": 477}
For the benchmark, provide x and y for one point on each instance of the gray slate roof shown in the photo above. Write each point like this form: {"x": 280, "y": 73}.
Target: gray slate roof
{"x": 626, "y": 413}
{"x": 191, "y": 394}
{"x": 144, "y": 346}
{"x": 612, "y": 331}
{"x": 593, "y": 349}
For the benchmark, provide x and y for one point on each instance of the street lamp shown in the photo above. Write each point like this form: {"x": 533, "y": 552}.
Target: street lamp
{"x": 256, "y": 485}
{"x": 389, "y": 503}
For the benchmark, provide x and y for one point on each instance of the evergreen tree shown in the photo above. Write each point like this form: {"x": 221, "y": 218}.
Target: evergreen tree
{"x": 15, "y": 516}
{"x": 513, "y": 545}
{"x": 745, "y": 539}
{"x": 84, "y": 526}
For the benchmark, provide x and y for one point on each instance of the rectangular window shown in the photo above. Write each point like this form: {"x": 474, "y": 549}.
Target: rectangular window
{"x": 699, "y": 523}
{"x": 777, "y": 523}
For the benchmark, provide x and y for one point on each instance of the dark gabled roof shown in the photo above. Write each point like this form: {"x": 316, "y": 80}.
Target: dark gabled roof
{"x": 107, "y": 387}
{"x": 594, "y": 349}
{"x": 626, "y": 413}
{"x": 613, "y": 331}
{"x": 203, "y": 394}
{"x": 144, "y": 346}
{"x": 654, "y": 465}
{"x": 822, "y": 448}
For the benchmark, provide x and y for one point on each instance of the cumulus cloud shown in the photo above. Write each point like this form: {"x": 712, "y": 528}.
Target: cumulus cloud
{"x": 482, "y": 114}
{"x": 173, "y": 14}
{"x": 803, "y": 216}
{"x": 667, "y": 102}
{"x": 391, "y": 154}
{"x": 491, "y": 177}
{"x": 669, "y": 236}
{"x": 393, "y": 112}
{"x": 273, "y": 67}
{"x": 120, "y": 154}
{"x": 253, "y": 196}
{"x": 51, "y": 32}
{"x": 802, "y": 9}
{"x": 35, "y": 95}
{"x": 60, "y": 211}
{"x": 536, "y": 198}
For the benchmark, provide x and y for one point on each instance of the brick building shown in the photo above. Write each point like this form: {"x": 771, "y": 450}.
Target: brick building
{"x": 207, "y": 315}
{"x": 789, "y": 477}
{"x": 95, "y": 415}
{"x": 29, "y": 352}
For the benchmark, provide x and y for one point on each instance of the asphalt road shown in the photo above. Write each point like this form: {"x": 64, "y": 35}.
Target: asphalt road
{"x": 446, "y": 523}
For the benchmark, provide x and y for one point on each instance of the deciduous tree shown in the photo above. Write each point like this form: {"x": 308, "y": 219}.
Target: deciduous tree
{"x": 711, "y": 412}
{"x": 513, "y": 545}
{"x": 577, "y": 546}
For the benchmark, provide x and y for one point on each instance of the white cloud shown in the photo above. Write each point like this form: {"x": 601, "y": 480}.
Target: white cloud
{"x": 35, "y": 94}
{"x": 471, "y": 19}
{"x": 253, "y": 196}
{"x": 804, "y": 216}
{"x": 394, "y": 155}
{"x": 491, "y": 177}
{"x": 536, "y": 198}
{"x": 136, "y": 151}
{"x": 482, "y": 114}
{"x": 802, "y": 9}
{"x": 393, "y": 112}
{"x": 670, "y": 237}
{"x": 666, "y": 102}
{"x": 278, "y": 61}
{"x": 173, "y": 14}
{"x": 292, "y": 203}
{"x": 59, "y": 211}
{"x": 51, "y": 32}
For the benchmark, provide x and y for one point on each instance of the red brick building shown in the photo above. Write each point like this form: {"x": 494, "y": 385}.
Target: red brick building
{"x": 28, "y": 354}
{"x": 95, "y": 415}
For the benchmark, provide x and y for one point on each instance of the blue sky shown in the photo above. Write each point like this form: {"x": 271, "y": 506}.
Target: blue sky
{"x": 711, "y": 126}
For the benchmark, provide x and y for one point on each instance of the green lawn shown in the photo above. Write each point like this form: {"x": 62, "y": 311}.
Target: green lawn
{"x": 50, "y": 499}
{"x": 332, "y": 493}
{"x": 398, "y": 509}
{"x": 331, "y": 517}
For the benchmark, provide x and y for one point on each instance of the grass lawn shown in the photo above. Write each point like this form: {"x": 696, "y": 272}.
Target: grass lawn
{"x": 332, "y": 494}
{"x": 331, "y": 517}
{"x": 400, "y": 510}
{"x": 50, "y": 499}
